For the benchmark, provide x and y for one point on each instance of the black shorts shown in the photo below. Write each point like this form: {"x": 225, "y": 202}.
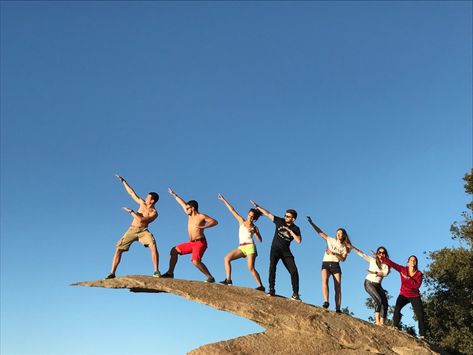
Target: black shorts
{"x": 332, "y": 267}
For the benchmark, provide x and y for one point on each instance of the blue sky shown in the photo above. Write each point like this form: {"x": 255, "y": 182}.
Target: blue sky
{"x": 356, "y": 113}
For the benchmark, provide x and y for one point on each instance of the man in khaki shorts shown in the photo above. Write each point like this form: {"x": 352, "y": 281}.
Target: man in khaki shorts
{"x": 138, "y": 230}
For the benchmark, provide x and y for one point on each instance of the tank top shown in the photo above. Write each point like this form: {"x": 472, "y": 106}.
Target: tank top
{"x": 246, "y": 237}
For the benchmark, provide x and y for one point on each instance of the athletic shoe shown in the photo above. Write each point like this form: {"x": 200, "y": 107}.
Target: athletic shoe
{"x": 271, "y": 293}
{"x": 167, "y": 275}
{"x": 226, "y": 282}
{"x": 325, "y": 305}
{"x": 260, "y": 288}
{"x": 110, "y": 276}
{"x": 210, "y": 280}
{"x": 295, "y": 297}
{"x": 157, "y": 274}
{"x": 338, "y": 310}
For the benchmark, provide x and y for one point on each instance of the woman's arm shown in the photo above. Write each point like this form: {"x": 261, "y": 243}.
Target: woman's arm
{"x": 360, "y": 253}
{"x": 231, "y": 209}
{"x": 317, "y": 229}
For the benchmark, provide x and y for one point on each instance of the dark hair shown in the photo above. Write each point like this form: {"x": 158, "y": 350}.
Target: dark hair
{"x": 193, "y": 203}
{"x": 345, "y": 239}
{"x": 385, "y": 254}
{"x": 293, "y": 212}
{"x": 417, "y": 262}
{"x": 154, "y": 196}
{"x": 256, "y": 213}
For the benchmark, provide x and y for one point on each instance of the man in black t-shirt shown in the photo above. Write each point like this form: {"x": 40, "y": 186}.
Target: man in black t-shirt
{"x": 285, "y": 232}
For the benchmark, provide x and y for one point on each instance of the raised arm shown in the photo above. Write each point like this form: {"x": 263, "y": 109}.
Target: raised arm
{"x": 231, "y": 209}
{"x": 262, "y": 210}
{"x": 130, "y": 191}
{"x": 179, "y": 200}
{"x": 317, "y": 229}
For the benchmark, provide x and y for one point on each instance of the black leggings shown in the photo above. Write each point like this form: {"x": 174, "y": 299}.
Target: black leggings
{"x": 288, "y": 261}
{"x": 378, "y": 295}
{"x": 418, "y": 311}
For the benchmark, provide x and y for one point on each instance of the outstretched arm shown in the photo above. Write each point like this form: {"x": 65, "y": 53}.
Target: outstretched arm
{"x": 130, "y": 191}
{"x": 231, "y": 209}
{"x": 178, "y": 199}
{"x": 317, "y": 229}
{"x": 360, "y": 253}
{"x": 262, "y": 210}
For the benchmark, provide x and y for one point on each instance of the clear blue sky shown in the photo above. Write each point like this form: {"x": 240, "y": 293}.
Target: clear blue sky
{"x": 356, "y": 113}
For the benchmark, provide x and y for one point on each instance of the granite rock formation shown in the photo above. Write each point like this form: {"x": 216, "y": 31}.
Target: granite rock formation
{"x": 291, "y": 327}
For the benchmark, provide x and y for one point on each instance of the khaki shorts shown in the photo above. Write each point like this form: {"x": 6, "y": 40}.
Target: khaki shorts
{"x": 248, "y": 249}
{"x": 143, "y": 235}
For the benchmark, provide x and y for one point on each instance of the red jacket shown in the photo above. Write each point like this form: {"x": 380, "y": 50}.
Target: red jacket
{"x": 409, "y": 284}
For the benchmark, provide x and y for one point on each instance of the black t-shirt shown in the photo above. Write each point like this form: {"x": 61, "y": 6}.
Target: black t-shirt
{"x": 282, "y": 238}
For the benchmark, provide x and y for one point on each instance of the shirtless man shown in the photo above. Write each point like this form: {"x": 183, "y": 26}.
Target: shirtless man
{"x": 197, "y": 244}
{"x": 138, "y": 230}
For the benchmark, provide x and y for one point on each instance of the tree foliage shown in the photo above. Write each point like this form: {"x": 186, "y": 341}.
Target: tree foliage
{"x": 449, "y": 299}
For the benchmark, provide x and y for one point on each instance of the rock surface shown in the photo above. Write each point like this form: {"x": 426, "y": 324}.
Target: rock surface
{"x": 292, "y": 327}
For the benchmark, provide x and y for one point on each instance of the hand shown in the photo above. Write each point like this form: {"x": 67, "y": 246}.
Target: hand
{"x": 310, "y": 220}
{"x": 254, "y": 203}
{"x": 171, "y": 192}
{"x": 119, "y": 177}
{"x": 220, "y": 197}
{"x": 126, "y": 209}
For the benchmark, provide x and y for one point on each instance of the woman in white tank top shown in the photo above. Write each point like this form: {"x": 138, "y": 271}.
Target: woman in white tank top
{"x": 247, "y": 247}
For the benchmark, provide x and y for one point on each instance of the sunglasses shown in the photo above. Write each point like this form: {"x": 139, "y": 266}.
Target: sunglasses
{"x": 288, "y": 216}
{"x": 382, "y": 252}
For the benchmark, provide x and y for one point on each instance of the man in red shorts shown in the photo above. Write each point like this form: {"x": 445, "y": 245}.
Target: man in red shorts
{"x": 197, "y": 243}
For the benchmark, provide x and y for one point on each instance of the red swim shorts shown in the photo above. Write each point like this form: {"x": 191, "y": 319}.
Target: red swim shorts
{"x": 197, "y": 249}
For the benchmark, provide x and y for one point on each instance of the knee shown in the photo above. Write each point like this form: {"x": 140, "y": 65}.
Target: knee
{"x": 196, "y": 262}
{"x": 227, "y": 259}
{"x": 251, "y": 268}
{"x": 174, "y": 251}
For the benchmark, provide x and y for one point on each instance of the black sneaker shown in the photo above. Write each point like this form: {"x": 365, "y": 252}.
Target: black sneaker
{"x": 210, "y": 280}
{"x": 271, "y": 293}
{"x": 338, "y": 310}
{"x": 260, "y": 288}
{"x": 226, "y": 282}
{"x": 110, "y": 276}
{"x": 325, "y": 305}
{"x": 295, "y": 297}
{"x": 167, "y": 275}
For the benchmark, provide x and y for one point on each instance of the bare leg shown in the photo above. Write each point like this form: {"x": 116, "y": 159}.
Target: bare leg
{"x": 202, "y": 268}
{"x": 251, "y": 266}
{"x": 116, "y": 260}
{"x": 325, "y": 276}
{"x": 173, "y": 260}
{"x": 233, "y": 255}
{"x": 377, "y": 318}
{"x": 337, "y": 281}
{"x": 154, "y": 256}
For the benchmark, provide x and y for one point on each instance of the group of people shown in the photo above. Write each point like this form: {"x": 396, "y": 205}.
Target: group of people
{"x": 337, "y": 250}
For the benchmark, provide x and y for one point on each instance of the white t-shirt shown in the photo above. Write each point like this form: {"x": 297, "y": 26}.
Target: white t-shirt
{"x": 335, "y": 247}
{"x": 374, "y": 268}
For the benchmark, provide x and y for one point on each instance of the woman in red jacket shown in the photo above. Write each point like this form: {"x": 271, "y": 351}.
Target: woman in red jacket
{"x": 411, "y": 279}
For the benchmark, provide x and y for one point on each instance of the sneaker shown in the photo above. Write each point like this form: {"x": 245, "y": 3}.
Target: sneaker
{"x": 226, "y": 282}
{"x": 110, "y": 276}
{"x": 210, "y": 280}
{"x": 295, "y": 297}
{"x": 325, "y": 305}
{"x": 271, "y": 293}
{"x": 157, "y": 274}
{"x": 338, "y": 310}
{"x": 167, "y": 275}
{"x": 260, "y": 288}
